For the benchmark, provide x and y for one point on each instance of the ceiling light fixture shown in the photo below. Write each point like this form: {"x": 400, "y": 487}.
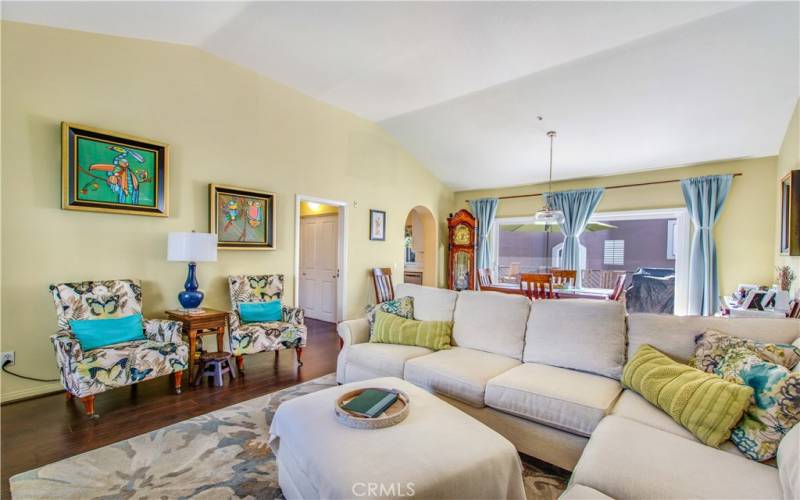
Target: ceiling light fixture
{"x": 549, "y": 215}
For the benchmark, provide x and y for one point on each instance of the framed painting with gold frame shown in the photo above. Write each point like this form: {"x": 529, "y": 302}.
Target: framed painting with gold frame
{"x": 103, "y": 171}
{"x": 243, "y": 219}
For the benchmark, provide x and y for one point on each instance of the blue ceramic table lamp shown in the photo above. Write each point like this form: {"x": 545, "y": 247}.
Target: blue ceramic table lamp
{"x": 192, "y": 248}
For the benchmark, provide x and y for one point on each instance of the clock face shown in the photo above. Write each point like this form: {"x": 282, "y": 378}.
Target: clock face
{"x": 462, "y": 235}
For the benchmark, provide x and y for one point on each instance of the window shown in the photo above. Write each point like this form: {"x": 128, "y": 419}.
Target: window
{"x": 614, "y": 252}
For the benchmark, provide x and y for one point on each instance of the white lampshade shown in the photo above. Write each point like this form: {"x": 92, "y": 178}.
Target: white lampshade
{"x": 192, "y": 247}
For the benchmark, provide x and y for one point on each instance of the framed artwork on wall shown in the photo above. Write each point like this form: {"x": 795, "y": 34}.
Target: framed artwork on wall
{"x": 377, "y": 225}
{"x": 243, "y": 219}
{"x": 103, "y": 171}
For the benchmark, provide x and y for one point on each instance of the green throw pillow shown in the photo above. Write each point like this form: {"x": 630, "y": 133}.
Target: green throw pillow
{"x": 392, "y": 329}
{"x": 777, "y": 402}
{"x": 706, "y": 405}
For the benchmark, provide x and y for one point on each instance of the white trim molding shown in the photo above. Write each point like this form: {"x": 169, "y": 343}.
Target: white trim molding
{"x": 341, "y": 283}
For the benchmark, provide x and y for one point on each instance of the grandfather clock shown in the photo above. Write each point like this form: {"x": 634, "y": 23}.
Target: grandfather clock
{"x": 461, "y": 251}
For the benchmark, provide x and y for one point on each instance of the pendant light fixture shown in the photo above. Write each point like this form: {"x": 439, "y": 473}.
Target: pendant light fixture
{"x": 549, "y": 215}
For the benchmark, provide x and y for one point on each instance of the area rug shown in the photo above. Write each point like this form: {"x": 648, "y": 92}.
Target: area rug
{"x": 222, "y": 454}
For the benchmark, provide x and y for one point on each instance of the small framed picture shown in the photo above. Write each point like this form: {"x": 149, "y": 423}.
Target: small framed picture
{"x": 104, "y": 171}
{"x": 377, "y": 225}
{"x": 243, "y": 219}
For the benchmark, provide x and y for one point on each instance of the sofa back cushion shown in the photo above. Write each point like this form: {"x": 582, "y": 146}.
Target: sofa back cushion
{"x": 492, "y": 322}
{"x": 430, "y": 304}
{"x": 674, "y": 335}
{"x": 582, "y": 334}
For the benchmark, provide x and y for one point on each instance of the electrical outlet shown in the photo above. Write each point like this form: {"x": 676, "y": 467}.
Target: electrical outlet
{"x": 7, "y": 357}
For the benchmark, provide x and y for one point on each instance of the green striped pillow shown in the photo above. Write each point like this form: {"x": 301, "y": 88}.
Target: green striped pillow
{"x": 706, "y": 405}
{"x": 392, "y": 329}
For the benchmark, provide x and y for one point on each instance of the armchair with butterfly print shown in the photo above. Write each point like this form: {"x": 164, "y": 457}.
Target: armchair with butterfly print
{"x": 249, "y": 338}
{"x": 87, "y": 373}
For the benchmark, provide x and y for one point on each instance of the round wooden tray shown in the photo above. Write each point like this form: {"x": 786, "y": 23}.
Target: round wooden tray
{"x": 392, "y": 416}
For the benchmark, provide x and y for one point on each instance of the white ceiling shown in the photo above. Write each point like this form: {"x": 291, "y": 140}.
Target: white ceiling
{"x": 629, "y": 86}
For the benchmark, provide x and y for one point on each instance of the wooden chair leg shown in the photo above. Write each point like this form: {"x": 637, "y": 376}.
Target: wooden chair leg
{"x": 299, "y": 355}
{"x": 178, "y": 380}
{"x": 88, "y": 404}
{"x": 232, "y": 368}
{"x": 240, "y": 363}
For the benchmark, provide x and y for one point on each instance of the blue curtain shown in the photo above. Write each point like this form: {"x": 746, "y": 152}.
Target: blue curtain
{"x": 578, "y": 206}
{"x": 704, "y": 198}
{"x": 484, "y": 210}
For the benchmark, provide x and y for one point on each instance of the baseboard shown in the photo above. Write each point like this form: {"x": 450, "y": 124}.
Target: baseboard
{"x": 33, "y": 392}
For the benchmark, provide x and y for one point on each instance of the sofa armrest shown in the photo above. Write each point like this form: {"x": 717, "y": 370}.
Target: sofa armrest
{"x": 294, "y": 315}
{"x": 67, "y": 348}
{"x": 354, "y": 331}
{"x": 163, "y": 330}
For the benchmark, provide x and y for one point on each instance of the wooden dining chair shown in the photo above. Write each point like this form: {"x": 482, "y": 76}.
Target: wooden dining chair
{"x": 537, "y": 286}
{"x": 619, "y": 288}
{"x": 794, "y": 310}
{"x": 382, "y": 279}
{"x": 485, "y": 277}
{"x": 564, "y": 277}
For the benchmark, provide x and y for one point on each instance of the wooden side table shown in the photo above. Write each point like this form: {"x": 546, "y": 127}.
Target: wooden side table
{"x": 208, "y": 322}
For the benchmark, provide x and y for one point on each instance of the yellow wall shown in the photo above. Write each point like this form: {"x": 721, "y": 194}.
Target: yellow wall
{"x": 310, "y": 209}
{"x": 744, "y": 233}
{"x": 225, "y": 124}
{"x": 788, "y": 159}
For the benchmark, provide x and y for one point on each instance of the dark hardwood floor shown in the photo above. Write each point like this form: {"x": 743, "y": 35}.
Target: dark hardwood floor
{"x": 43, "y": 430}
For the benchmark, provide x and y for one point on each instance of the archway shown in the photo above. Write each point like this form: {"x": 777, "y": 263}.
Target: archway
{"x": 421, "y": 242}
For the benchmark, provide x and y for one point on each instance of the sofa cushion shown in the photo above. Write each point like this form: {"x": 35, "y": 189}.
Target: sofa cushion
{"x": 626, "y": 459}
{"x": 492, "y": 322}
{"x": 430, "y": 304}
{"x": 581, "y": 334}
{"x": 674, "y": 335}
{"x": 458, "y": 372}
{"x": 388, "y": 359}
{"x": 634, "y": 407}
{"x": 566, "y": 399}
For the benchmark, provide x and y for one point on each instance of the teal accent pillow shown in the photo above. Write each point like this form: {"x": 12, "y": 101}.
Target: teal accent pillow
{"x": 94, "y": 333}
{"x": 261, "y": 312}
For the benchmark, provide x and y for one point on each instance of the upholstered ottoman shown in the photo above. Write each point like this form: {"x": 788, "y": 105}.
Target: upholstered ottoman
{"x": 436, "y": 452}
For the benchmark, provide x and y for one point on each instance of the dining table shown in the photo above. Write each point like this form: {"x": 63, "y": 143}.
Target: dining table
{"x": 561, "y": 293}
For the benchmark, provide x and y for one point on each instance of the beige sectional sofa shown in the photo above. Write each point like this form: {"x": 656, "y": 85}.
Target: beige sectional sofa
{"x": 546, "y": 376}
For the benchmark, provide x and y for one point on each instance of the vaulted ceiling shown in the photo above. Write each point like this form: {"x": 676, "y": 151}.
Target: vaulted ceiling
{"x": 470, "y": 88}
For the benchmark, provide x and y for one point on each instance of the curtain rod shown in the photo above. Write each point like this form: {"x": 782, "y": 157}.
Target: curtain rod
{"x": 653, "y": 183}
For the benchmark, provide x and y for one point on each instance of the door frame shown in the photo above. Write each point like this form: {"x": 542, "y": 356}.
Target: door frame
{"x": 341, "y": 282}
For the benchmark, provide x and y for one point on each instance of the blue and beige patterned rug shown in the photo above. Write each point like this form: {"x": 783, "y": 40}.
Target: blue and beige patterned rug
{"x": 222, "y": 454}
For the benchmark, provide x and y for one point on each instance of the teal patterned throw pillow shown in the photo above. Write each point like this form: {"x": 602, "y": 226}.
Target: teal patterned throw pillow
{"x": 776, "y": 408}
{"x": 403, "y": 307}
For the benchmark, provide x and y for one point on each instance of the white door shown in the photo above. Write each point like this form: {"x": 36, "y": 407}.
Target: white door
{"x": 318, "y": 272}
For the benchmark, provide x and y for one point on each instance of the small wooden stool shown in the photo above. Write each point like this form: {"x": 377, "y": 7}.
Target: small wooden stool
{"x": 215, "y": 364}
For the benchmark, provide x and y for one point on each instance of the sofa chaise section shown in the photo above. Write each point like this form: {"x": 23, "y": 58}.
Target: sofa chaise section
{"x": 630, "y": 460}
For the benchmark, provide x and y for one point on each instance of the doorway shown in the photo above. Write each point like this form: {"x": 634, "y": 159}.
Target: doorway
{"x": 420, "y": 244}
{"x": 320, "y": 245}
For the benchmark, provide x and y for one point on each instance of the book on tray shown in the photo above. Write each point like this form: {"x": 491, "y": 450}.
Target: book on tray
{"x": 371, "y": 403}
